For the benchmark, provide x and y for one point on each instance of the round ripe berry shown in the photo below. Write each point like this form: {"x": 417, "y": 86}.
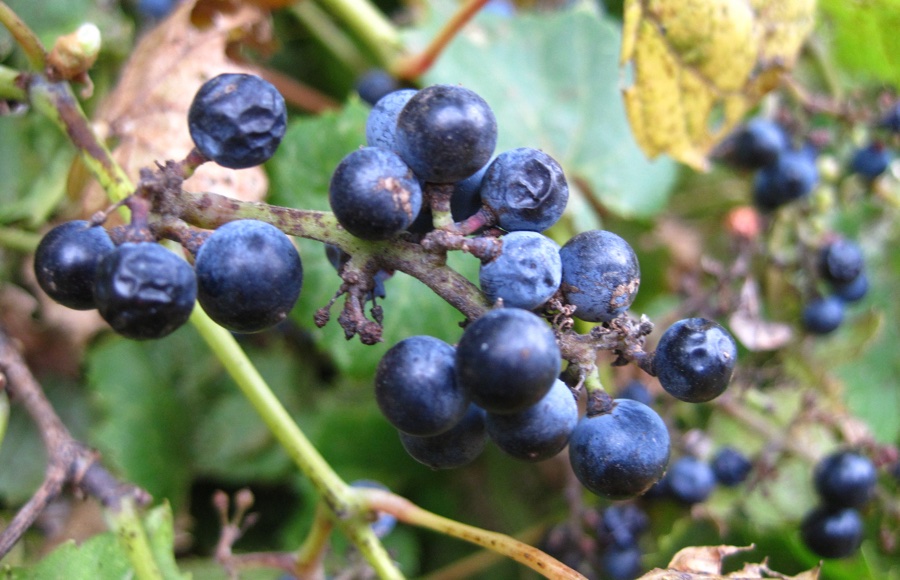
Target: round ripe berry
{"x": 66, "y": 260}
{"x": 622, "y": 525}
{"x": 144, "y": 291}
{"x": 823, "y": 315}
{"x": 600, "y": 275}
{"x": 690, "y": 480}
{"x": 462, "y": 444}
{"x": 508, "y": 359}
{"x": 758, "y": 143}
{"x": 870, "y": 161}
{"x": 852, "y": 291}
{"x": 792, "y": 176}
{"x": 249, "y": 276}
{"x": 416, "y": 388}
{"x": 381, "y": 124}
{"x": 845, "y": 479}
{"x": 446, "y": 133}
{"x": 374, "y": 84}
{"x": 841, "y": 261}
{"x": 621, "y": 562}
{"x": 731, "y": 467}
{"x": 540, "y": 431}
{"x": 374, "y": 194}
{"x": 695, "y": 359}
{"x": 832, "y": 532}
{"x": 237, "y": 120}
{"x": 622, "y": 453}
{"x": 525, "y": 189}
{"x": 527, "y": 272}
{"x": 891, "y": 119}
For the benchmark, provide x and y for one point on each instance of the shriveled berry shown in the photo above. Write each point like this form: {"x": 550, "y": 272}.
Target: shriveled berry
{"x": 695, "y": 359}
{"x": 237, "y": 120}
{"x": 525, "y": 274}
{"x": 249, "y": 276}
{"x": 66, "y": 261}
{"x": 144, "y": 291}
{"x": 525, "y": 189}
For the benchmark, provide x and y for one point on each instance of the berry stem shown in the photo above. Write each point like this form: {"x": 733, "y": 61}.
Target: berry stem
{"x": 413, "y": 66}
{"x": 339, "y": 497}
{"x": 127, "y": 524}
{"x": 25, "y": 37}
{"x": 407, "y": 512}
{"x": 311, "y": 553}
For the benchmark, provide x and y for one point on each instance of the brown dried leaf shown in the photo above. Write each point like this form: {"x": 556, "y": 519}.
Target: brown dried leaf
{"x": 703, "y": 559}
{"x": 146, "y": 114}
{"x": 705, "y": 563}
{"x": 750, "y": 329}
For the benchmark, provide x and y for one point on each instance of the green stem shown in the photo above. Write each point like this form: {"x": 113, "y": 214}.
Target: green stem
{"x": 25, "y": 37}
{"x": 330, "y": 35}
{"x": 126, "y": 522}
{"x": 4, "y": 415}
{"x": 9, "y": 87}
{"x": 311, "y": 553}
{"x": 339, "y": 497}
{"x": 370, "y": 25}
{"x": 19, "y": 240}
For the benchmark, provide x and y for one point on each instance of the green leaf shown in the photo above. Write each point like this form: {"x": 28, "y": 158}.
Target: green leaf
{"x": 99, "y": 557}
{"x": 161, "y": 534}
{"x": 864, "y": 37}
{"x": 146, "y": 421}
{"x": 552, "y": 79}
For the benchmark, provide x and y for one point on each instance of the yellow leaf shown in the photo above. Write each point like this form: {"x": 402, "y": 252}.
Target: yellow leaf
{"x": 700, "y": 65}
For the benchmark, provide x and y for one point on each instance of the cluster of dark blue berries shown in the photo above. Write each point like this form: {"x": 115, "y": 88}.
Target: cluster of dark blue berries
{"x": 845, "y": 482}
{"x": 247, "y": 274}
{"x": 841, "y": 265}
{"x": 691, "y": 480}
{"x": 502, "y": 381}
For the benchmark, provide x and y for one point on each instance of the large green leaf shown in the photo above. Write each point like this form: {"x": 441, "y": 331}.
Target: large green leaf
{"x": 864, "y": 37}
{"x": 553, "y": 81}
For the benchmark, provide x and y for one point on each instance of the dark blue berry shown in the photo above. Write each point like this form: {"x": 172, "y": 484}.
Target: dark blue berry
{"x": 690, "y": 480}
{"x": 144, "y": 291}
{"x": 374, "y": 194}
{"x": 695, "y": 359}
{"x": 854, "y": 290}
{"x": 845, "y": 479}
{"x": 508, "y": 359}
{"x": 823, "y": 315}
{"x": 731, "y": 467}
{"x": 66, "y": 261}
{"x": 832, "y": 533}
{"x": 600, "y": 275}
{"x": 870, "y": 161}
{"x": 525, "y": 189}
{"x": 381, "y": 124}
{"x": 622, "y": 525}
{"x": 622, "y": 453}
{"x": 525, "y": 274}
{"x": 758, "y": 143}
{"x": 621, "y": 562}
{"x": 841, "y": 261}
{"x": 374, "y": 84}
{"x": 416, "y": 388}
{"x": 540, "y": 431}
{"x": 249, "y": 276}
{"x": 460, "y": 445}
{"x": 237, "y": 120}
{"x": 636, "y": 391}
{"x": 156, "y": 9}
{"x": 465, "y": 200}
{"x": 446, "y": 133}
{"x": 891, "y": 119}
{"x": 791, "y": 177}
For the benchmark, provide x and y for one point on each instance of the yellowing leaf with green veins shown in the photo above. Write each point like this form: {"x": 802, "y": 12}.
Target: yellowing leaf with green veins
{"x": 700, "y": 65}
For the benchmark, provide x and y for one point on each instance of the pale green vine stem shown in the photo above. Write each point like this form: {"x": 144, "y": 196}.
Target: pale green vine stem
{"x": 8, "y": 88}
{"x": 329, "y": 34}
{"x": 341, "y": 500}
{"x": 370, "y": 25}
{"x": 25, "y": 37}
{"x": 125, "y": 520}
